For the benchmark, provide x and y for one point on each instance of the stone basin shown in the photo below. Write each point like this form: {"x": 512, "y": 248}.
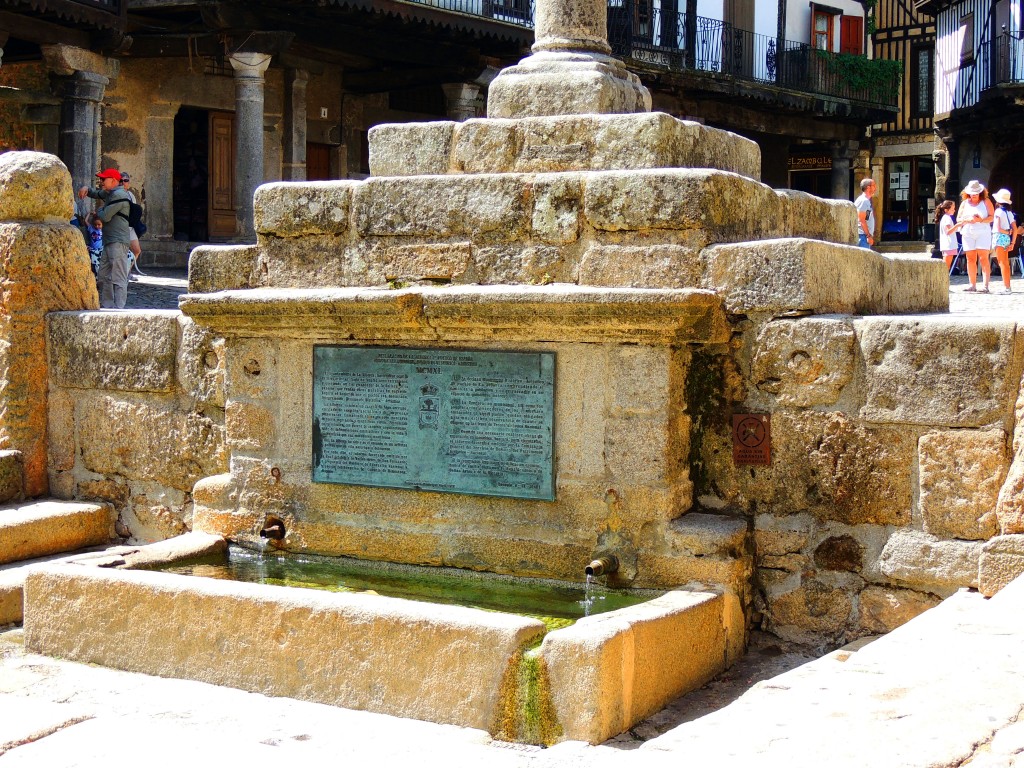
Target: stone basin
{"x": 442, "y": 663}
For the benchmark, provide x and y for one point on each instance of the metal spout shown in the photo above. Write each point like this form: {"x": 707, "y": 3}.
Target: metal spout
{"x": 602, "y": 565}
{"x": 272, "y": 529}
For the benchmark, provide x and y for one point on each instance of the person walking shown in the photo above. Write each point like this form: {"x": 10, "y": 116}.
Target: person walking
{"x": 947, "y": 227}
{"x": 975, "y": 220}
{"x": 866, "y": 213}
{"x": 1004, "y": 225}
{"x": 112, "y": 277}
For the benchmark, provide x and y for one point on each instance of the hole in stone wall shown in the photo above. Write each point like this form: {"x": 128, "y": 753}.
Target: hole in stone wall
{"x": 252, "y": 368}
{"x": 210, "y": 360}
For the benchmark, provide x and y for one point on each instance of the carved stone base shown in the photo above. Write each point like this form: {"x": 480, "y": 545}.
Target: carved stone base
{"x": 548, "y": 83}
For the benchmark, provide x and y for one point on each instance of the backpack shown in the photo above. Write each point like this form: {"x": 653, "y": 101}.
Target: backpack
{"x": 135, "y": 218}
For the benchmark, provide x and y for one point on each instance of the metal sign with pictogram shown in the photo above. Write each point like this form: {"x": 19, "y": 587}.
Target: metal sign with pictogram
{"x": 751, "y": 439}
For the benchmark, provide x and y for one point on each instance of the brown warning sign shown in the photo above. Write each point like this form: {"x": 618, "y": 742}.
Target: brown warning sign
{"x": 751, "y": 438}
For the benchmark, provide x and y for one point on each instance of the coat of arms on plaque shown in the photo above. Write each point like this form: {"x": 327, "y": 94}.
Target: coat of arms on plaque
{"x": 430, "y": 406}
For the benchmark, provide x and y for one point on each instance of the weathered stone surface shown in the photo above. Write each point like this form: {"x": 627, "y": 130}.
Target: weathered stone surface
{"x": 793, "y": 274}
{"x": 443, "y": 663}
{"x": 483, "y": 206}
{"x": 639, "y": 657}
{"x": 653, "y": 266}
{"x": 725, "y": 206}
{"x": 411, "y": 149}
{"x": 700, "y": 534}
{"x": 815, "y": 609}
{"x": 804, "y": 362}
{"x": 1002, "y": 561}
{"x": 149, "y": 440}
{"x": 839, "y": 553}
{"x": 596, "y": 143}
{"x": 535, "y": 265}
{"x": 817, "y": 218}
{"x": 48, "y": 527}
{"x": 1010, "y": 505}
{"x": 22, "y": 176}
{"x": 919, "y": 560}
{"x": 248, "y": 427}
{"x": 823, "y": 463}
{"x": 45, "y": 269}
{"x": 777, "y": 536}
{"x": 200, "y": 363}
{"x": 127, "y": 351}
{"x": 554, "y": 83}
{"x": 155, "y": 518}
{"x": 12, "y": 476}
{"x": 557, "y": 206}
{"x": 961, "y": 472}
{"x": 883, "y": 609}
{"x": 183, "y": 547}
{"x": 293, "y": 209}
{"x": 913, "y": 284}
{"x": 222, "y": 268}
{"x": 938, "y": 371}
{"x": 440, "y": 261}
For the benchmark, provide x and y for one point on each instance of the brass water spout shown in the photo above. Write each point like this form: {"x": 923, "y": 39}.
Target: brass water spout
{"x": 272, "y": 529}
{"x": 602, "y": 565}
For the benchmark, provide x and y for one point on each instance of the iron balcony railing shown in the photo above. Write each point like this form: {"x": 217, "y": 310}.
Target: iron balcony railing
{"x": 641, "y": 32}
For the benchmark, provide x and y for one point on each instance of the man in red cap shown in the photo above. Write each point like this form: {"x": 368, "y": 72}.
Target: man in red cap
{"x": 112, "y": 277}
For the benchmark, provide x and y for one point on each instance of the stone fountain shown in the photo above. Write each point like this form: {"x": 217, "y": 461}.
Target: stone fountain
{"x": 491, "y": 355}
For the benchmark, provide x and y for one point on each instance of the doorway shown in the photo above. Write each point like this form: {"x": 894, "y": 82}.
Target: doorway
{"x": 204, "y": 175}
{"x": 909, "y": 199}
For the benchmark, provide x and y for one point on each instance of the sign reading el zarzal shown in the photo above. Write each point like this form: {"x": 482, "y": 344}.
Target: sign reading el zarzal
{"x": 453, "y": 420}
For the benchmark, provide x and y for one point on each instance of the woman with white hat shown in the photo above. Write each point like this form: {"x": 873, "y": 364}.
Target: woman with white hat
{"x": 1004, "y": 225}
{"x": 975, "y": 220}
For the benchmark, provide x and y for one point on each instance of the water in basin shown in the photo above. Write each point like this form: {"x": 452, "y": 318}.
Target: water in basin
{"x": 557, "y": 603}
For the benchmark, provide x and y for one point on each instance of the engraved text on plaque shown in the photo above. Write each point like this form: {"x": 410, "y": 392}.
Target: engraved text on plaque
{"x": 452, "y": 420}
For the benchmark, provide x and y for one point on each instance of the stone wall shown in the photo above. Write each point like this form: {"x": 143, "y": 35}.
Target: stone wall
{"x": 891, "y": 444}
{"x": 136, "y": 415}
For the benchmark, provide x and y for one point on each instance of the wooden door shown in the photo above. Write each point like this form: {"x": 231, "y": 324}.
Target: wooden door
{"x": 222, "y": 175}
{"x": 318, "y": 162}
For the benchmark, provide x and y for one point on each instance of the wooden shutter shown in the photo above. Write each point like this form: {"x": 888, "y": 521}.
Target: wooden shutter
{"x": 851, "y": 34}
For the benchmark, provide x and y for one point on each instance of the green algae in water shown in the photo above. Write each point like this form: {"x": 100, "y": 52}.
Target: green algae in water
{"x": 556, "y": 603}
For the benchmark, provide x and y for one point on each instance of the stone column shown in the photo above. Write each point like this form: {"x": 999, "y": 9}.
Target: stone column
{"x": 82, "y": 93}
{"x": 461, "y": 100}
{"x": 571, "y": 71}
{"x": 294, "y": 166}
{"x": 249, "y": 69}
{"x": 45, "y": 268}
{"x": 842, "y": 153}
{"x": 159, "y": 172}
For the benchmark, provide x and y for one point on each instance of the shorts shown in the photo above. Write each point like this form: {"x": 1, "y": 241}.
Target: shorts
{"x": 976, "y": 239}
{"x": 1002, "y": 240}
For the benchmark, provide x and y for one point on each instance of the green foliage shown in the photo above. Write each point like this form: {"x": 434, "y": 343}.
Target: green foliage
{"x": 871, "y": 79}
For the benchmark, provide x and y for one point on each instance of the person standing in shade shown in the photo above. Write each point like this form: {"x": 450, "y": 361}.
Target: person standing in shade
{"x": 133, "y": 245}
{"x": 866, "y": 214}
{"x": 112, "y": 277}
{"x": 1004, "y": 226}
{"x": 975, "y": 220}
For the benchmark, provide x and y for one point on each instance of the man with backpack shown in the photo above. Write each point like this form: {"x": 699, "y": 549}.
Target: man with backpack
{"x": 112, "y": 277}
{"x": 135, "y": 223}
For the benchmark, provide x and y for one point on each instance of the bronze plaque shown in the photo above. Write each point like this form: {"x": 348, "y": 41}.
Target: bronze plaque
{"x": 454, "y": 420}
{"x": 751, "y": 439}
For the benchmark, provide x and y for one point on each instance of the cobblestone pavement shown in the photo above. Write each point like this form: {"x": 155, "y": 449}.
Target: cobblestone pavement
{"x": 160, "y": 288}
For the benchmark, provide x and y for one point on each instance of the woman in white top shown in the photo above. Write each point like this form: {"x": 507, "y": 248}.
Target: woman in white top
{"x": 1003, "y": 228}
{"x": 975, "y": 221}
{"x": 947, "y": 227}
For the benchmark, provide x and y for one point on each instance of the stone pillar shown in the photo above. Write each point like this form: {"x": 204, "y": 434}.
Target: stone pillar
{"x": 293, "y": 168}
{"x": 44, "y": 267}
{"x": 461, "y": 99}
{"x": 571, "y": 71}
{"x": 249, "y": 69}
{"x": 82, "y": 93}
{"x": 159, "y": 172}
{"x": 842, "y": 153}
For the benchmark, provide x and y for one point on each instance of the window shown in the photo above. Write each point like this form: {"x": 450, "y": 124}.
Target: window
{"x": 922, "y": 82}
{"x": 851, "y": 34}
{"x": 966, "y": 34}
{"x": 821, "y": 28}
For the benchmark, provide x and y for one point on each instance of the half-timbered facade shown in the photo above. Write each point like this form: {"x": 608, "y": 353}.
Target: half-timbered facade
{"x": 979, "y": 96}
{"x": 903, "y": 160}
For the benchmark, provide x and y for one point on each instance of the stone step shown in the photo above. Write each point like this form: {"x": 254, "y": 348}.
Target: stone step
{"x": 48, "y": 527}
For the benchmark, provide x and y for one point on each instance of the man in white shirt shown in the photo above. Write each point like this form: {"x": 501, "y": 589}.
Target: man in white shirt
{"x": 866, "y": 213}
